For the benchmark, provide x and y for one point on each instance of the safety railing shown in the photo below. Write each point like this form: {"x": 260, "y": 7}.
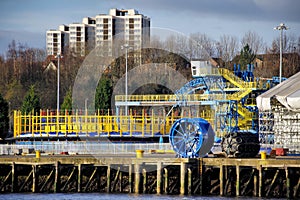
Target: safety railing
{"x": 82, "y": 147}
{"x": 47, "y": 124}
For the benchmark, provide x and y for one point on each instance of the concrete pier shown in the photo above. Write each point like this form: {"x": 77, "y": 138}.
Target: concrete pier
{"x": 276, "y": 178}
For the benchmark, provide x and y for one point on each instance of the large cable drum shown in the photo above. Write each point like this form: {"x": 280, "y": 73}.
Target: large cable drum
{"x": 191, "y": 137}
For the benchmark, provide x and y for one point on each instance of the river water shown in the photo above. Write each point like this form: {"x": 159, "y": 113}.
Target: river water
{"x": 95, "y": 196}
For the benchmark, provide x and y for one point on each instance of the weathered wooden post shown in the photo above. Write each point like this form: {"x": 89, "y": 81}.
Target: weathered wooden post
{"x": 255, "y": 178}
{"x": 108, "y": 183}
{"x": 34, "y": 179}
{"x": 237, "y": 180}
{"x": 190, "y": 179}
{"x": 166, "y": 181}
{"x": 79, "y": 178}
{"x": 137, "y": 177}
{"x": 56, "y": 178}
{"x": 221, "y": 177}
{"x": 159, "y": 177}
{"x": 182, "y": 178}
{"x": 130, "y": 178}
{"x": 260, "y": 177}
{"x": 145, "y": 180}
{"x": 201, "y": 176}
{"x": 13, "y": 177}
{"x": 288, "y": 183}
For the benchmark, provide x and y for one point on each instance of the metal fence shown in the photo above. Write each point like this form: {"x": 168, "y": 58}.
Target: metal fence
{"x": 82, "y": 148}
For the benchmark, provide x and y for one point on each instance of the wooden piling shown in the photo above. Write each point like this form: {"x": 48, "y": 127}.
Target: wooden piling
{"x": 57, "y": 178}
{"x": 182, "y": 178}
{"x": 190, "y": 179}
{"x": 260, "y": 182}
{"x": 79, "y": 178}
{"x": 137, "y": 178}
{"x": 159, "y": 177}
{"x": 130, "y": 178}
{"x": 237, "y": 192}
{"x": 288, "y": 183}
{"x": 200, "y": 176}
{"x": 221, "y": 177}
{"x": 34, "y": 179}
{"x": 166, "y": 181}
{"x": 255, "y": 178}
{"x": 145, "y": 180}
{"x": 108, "y": 183}
{"x": 13, "y": 177}
{"x": 120, "y": 181}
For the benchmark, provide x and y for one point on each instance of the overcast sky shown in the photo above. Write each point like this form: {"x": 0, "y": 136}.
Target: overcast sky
{"x": 27, "y": 21}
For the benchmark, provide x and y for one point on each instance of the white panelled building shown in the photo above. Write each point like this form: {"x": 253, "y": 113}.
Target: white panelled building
{"x": 100, "y": 31}
{"x": 57, "y": 40}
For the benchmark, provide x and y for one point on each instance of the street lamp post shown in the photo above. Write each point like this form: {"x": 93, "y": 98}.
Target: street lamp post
{"x": 281, "y": 27}
{"x": 126, "y": 47}
{"x": 58, "y": 56}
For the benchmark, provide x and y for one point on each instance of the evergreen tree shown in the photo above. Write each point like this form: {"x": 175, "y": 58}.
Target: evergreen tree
{"x": 247, "y": 56}
{"x": 67, "y": 104}
{"x": 4, "y": 120}
{"x": 31, "y": 101}
{"x": 103, "y": 94}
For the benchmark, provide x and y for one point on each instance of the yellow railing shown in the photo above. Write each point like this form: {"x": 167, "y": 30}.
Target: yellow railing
{"x": 47, "y": 124}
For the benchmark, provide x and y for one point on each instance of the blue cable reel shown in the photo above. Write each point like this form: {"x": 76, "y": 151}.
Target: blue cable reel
{"x": 191, "y": 137}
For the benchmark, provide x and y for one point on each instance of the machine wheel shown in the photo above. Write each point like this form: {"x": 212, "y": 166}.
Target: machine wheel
{"x": 191, "y": 137}
{"x": 240, "y": 144}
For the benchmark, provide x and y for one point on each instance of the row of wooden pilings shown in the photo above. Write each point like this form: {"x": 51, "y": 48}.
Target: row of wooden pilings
{"x": 224, "y": 177}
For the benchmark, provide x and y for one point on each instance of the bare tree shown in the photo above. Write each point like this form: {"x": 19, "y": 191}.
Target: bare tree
{"x": 201, "y": 46}
{"x": 227, "y": 47}
{"x": 254, "y": 41}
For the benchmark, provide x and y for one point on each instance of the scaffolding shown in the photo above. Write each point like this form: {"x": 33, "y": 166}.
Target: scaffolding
{"x": 280, "y": 128}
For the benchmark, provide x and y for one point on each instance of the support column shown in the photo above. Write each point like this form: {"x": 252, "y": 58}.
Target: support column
{"x": 13, "y": 177}
{"x": 255, "y": 189}
{"x": 108, "y": 179}
{"x": 130, "y": 178}
{"x": 34, "y": 179}
{"x": 190, "y": 179}
{"x": 79, "y": 178}
{"x": 159, "y": 177}
{"x": 260, "y": 177}
{"x": 56, "y": 178}
{"x": 182, "y": 178}
{"x": 200, "y": 176}
{"x": 166, "y": 181}
{"x": 137, "y": 177}
{"x": 221, "y": 177}
{"x": 237, "y": 186}
{"x": 121, "y": 180}
{"x": 288, "y": 183}
{"x": 145, "y": 180}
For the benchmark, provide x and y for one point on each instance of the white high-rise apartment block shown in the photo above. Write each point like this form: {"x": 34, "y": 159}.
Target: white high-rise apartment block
{"x": 82, "y": 36}
{"x": 129, "y": 24}
{"x": 57, "y": 40}
{"x": 100, "y": 31}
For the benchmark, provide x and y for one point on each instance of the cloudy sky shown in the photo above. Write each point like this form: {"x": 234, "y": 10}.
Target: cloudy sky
{"x": 27, "y": 21}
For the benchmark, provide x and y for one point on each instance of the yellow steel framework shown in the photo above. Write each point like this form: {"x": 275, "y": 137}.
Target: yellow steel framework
{"x": 47, "y": 124}
{"x": 234, "y": 83}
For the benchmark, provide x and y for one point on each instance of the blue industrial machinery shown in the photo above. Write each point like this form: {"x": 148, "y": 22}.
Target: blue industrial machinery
{"x": 191, "y": 137}
{"x": 234, "y": 120}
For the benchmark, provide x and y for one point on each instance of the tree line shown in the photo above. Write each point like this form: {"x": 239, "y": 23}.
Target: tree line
{"x": 26, "y": 84}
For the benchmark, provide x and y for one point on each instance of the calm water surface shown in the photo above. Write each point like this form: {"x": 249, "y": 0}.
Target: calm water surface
{"x": 95, "y": 196}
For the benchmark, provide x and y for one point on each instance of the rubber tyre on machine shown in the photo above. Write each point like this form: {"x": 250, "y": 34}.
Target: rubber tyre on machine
{"x": 241, "y": 144}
